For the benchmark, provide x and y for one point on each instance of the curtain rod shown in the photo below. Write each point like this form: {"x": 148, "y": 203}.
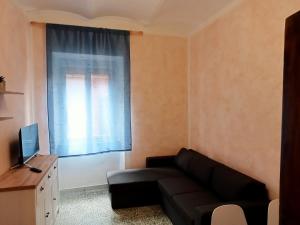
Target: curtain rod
{"x": 131, "y": 31}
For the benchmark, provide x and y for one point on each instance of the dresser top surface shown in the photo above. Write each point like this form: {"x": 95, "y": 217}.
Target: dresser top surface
{"x": 22, "y": 178}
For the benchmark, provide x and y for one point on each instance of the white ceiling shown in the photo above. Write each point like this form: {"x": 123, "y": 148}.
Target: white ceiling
{"x": 172, "y": 17}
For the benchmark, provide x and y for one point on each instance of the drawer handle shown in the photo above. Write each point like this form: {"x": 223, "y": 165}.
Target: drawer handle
{"x": 49, "y": 176}
{"x": 42, "y": 188}
{"x": 54, "y": 199}
{"x": 55, "y": 167}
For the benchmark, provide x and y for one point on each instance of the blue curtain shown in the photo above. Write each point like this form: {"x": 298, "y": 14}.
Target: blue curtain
{"x": 88, "y": 72}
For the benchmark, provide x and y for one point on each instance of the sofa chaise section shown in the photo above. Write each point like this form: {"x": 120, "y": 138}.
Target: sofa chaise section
{"x": 137, "y": 187}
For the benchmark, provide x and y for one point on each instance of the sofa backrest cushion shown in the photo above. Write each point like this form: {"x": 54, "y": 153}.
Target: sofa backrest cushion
{"x": 182, "y": 159}
{"x": 232, "y": 185}
{"x": 201, "y": 167}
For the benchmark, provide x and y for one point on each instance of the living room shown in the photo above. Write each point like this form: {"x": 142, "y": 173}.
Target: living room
{"x": 204, "y": 75}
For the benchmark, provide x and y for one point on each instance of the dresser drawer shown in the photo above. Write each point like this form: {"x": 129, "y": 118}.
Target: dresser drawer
{"x": 55, "y": 169}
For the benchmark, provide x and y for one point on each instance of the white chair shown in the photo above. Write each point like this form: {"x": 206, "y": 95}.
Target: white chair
{"x": 228, "y": 215}
{"x": 273, "y": 212}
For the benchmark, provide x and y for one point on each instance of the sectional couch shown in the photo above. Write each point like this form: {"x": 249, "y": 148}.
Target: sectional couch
{"x": 189, "y": 186}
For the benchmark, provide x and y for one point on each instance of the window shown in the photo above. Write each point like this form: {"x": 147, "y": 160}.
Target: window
{"x": 76, "y": 107}
{"x": 88, "y": 93}
{"x": 78, "y": 111}
{"x": 100, "y": 107}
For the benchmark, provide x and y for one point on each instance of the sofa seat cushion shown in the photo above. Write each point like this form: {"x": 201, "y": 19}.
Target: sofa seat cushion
{"x": 138, "y": 179}
{"x": 186, "y": 203}
{"x": 178, "y": 185}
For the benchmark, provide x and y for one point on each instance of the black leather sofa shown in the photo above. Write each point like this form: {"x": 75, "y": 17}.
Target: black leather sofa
{"x": 189, "y": 186}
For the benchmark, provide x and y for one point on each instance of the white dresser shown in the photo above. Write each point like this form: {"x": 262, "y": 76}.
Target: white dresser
{"x": 28, "y": 198}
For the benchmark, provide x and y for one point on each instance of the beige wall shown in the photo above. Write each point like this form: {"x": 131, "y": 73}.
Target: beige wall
{"x": 159, "y": 97}
{"x": 235, "y": 88}
{"x": 39, "y": 84}
{"x": 14, "y": 65}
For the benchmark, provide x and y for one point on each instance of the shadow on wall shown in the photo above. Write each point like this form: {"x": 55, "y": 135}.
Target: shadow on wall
{"x": 14, "y": 150}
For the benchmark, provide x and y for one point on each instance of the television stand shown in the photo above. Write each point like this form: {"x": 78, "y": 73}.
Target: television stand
{"x": 28, "y": 198}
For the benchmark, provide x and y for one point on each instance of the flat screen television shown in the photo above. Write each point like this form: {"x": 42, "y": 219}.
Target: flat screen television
{"x": 29, "y": 142}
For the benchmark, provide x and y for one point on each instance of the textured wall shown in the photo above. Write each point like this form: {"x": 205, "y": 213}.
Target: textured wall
{"x": 235, "y": 88}
{"x": 159, "y": 97}
{"x": 14, "y": 63}
{"x": 39, "y": 83}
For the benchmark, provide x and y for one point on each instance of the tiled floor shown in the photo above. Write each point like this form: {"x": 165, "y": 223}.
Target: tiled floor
{"x": 92, "y": 207}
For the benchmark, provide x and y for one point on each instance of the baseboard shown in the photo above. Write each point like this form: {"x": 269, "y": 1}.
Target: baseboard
{"x": 102, "y": 187}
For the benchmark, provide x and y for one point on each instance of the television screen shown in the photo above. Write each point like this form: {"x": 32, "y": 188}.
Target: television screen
{"x": 29, "y": 142}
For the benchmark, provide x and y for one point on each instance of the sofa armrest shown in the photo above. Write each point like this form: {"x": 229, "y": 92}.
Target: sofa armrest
{"x": 255, "y": 212}
{"x": 160, "y": 161}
